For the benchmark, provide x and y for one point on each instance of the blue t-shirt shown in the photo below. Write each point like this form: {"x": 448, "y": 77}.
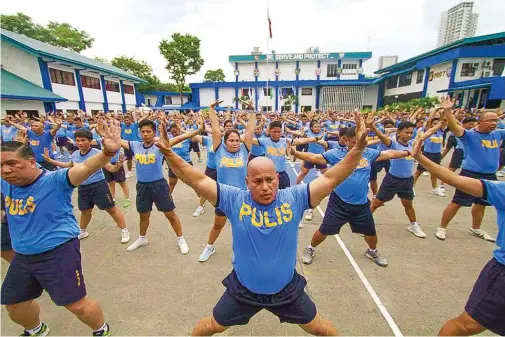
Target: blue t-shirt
{"x": 114, "y": 159}
{"x": 129, "y": 132}
{"x": 62, "y": 131}
{"x": 40, "y": 215}
{"x": 8, "y": 133}
{"x": 71, "y": 135}
{"x": 265, "y": 237}
{"x": 335, "y": 145}
{"x": 482, "y": 152}
{"x": 39, "y": 142}
{"x": 79, "y": 158}
{"x": 434, "y": 143}
{"x": 258, "y": 150}
{"x": 331, "y": 126}
{"x": 211, "y": 155}
{"x": 314, "y": 147}
{"x": 231, "y": 167}
{"x": 275, "y": 151}
{"x": 401, "y": 168}
{"x": 148, "y": 162}
{"x": 182, "y": 149}
{"x": 494, "y": 193}
{"x": 354, "y": 189}
{"x": 373, "y": 137}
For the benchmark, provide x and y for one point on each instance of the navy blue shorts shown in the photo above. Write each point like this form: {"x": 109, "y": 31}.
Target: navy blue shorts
{"x": 171, "y": 173}
{"x": 238, "y": 304}
{"x": 118, "y": 176}
{"x": 391, "y": 186}
{"x": 57, "y": 271}
{"x": 61, "y": 141}
{"x": 309, "y": 166}
{"x": 194, "y": 146}
{"x": 339, "y": 212}
{"x": 302, "y": 148}
{"x": 156, "y": 192}
{"x": 97, "y": 193}
{"x": 456, "y": 159}
{"x": 377, "y": 166}
{"x": 466, "y": 200}
{"x": 219, "y": 212}
{"x": 129, "y": 154}
{"x": 47, "y": 166}
{"x": 211, "y": 173}
{"x": 6, "y": 237}
{"x": 502, "y": 157}
{"x": 284, "y": 181}
{"x": 434, "y": 157}
{"x": 486, "y": 303}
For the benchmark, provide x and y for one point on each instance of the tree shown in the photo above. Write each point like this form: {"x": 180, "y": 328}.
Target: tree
{"x": 183, "y": 58}
{"x": 101, "y": 59}
{"x": 61, "y": 35}
{"x": 214, "y": 75}
{"x": 134, "y": 67}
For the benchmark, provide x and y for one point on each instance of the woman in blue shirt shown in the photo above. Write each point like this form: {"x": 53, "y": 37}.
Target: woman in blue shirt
{"x": 231, "y": 154}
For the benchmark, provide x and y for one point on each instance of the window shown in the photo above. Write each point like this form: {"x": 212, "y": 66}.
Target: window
{"x": 467, "y": 70}
{"x": 266, "y": 108}
{"x": 30, "y": 113}
{"x": 128, "y": 89}
{"x": 306, "y": 91}
{"x": 71, "y": 111}
{"x": 331, "y": 70}
{"x": 392, "y": 82}
{"x": 306, "y": 108}
{"x": 420, "y": 76}
{"x": 90, "y": 82}
{"x": 349, "y": 66}
{"x": 111, "y": 86}
{"x": 405, "y": 80}
{"x": 287, "y": 91}
{"x": 285, "y": 108}
{"x": 94, "y": 112}
{"x": 168, "y": 100}
{"x": 246, "y": 92}
{"x": 62, "y": 77}
{"x": 498, "y": 66}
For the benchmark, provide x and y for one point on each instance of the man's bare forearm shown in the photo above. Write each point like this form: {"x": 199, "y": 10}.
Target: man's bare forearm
{"x": 78, "y": 174}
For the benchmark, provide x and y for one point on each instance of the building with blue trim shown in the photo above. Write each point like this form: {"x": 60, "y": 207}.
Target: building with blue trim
{"x": 166, "y": 100}
{"x": 38, "y": 77}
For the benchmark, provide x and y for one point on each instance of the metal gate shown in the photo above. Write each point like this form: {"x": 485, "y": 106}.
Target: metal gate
{"x": 342, "y": 98}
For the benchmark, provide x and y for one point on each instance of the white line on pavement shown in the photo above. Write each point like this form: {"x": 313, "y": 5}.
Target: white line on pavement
{"x": 364, "y": 280}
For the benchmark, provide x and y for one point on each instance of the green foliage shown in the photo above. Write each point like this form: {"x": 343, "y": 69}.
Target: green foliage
{"x": 183, "y": 58}
{"x": 216, "y": 75}
{"x": 425, "y": 102}
{"x": 134, "y": 67}
{"x": 62, "y": 35}
{"x": 101, "y": 59}
{"x": 290, "y": 100}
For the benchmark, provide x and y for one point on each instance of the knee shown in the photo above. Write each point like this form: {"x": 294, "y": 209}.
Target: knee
{"x": 145, "y": 216}
{"x": 211, "y": 326}
{"x": 80, "y": 308}
{"x": 13, "y": 309}
{"x": 171, "y": 216}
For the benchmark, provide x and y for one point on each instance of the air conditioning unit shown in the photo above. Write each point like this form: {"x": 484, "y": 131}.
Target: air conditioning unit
{"x": 486, "y": 73}
{"x": 487, "y": 65}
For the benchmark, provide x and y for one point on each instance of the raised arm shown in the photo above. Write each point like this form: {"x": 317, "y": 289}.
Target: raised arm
{"x": 392, "y": 154}
{"x": 323, "y": 185}
{"x": 203, "y": 185}
{"x": 214, "y": 123}
{"x": 308, "y": 156}
{"x": 370, "y": 123}
{"x": 452, "y": 122}
{"x": 180, "y": 138}
{"x": 249, "y": 130}
{"x": 17, "y": 126}
{"x": 55, "y": 162}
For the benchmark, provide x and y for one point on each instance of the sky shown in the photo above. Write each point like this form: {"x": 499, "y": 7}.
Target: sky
{"x": 233, "y": 27}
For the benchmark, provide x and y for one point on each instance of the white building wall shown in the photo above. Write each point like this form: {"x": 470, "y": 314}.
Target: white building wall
{"x": 115, "y": 107}
{"x": 413, "y": 87}
{"x": 93, "y": 106}
{"x": 67, "y": 91}
{"x": 324, "y": 69}
{"x": 21, "y": 63}
{"x": 308, "y": 70}
{"x": 370, "y": 97}
{"x": 226, "y": 95}
{"x": 438, "y": 83}
{"x": 478, "y": 71}
{"x": 150, "y": 97}
{"x": 112, "y": 96}
{"x": 207, "y": 96}
{"x": 129, "y": 98}
{"x": 246, "y": 72}
{"x": 287, "y": 70}
{"x": 92, "y": 95}
{"x": 21, "y": 105}
{"x": 304, "y": 100}
{"x": 263, "y": 71}
{"x": 68, "y": 105}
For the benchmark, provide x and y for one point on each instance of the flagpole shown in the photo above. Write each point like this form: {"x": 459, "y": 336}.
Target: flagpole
{"x": 268, "y": 51}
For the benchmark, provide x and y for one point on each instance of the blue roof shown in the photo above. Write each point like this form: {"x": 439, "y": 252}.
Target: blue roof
{"x": 467, "y": 87}
{"x": 48, "y": 51}
{"x": 15, "y": 87}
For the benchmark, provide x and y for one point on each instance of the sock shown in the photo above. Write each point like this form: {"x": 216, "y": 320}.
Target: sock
{"x": 84, "y": 230}
{"x": 142, "y": 237}
{"x": 210, "y": 246}
{"x": 413, "y": 223}
{"x": 375, "y": 196}
{"x": 35, "y": 330}
{"x": 104, "y": 327}
{"x": 124, "y": 230}
{"x": 180, "y": 237}
{"x": 372, "y": 250}
{"x": 310, "y": 247}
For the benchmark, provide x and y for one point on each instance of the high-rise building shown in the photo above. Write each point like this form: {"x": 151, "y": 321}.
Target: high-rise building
{"x": 386, "y": 61}
{"x": 457, "y": 23}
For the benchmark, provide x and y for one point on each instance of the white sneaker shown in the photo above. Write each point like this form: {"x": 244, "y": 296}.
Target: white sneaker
{"x": 83, "y": 235}
{"x": 208, "y": 251}
{"x": 500, "y": 174}
{"x": 442, "y": 187}
{"x": 441, "y": 233}
{"x": 482, "y": 234}
{"x": 129, "y": 174}
{"x": 140, "y": 242}
{"x": 125, "y": 235}
{"x": 425, "y": 174}
{"x": 183, "y": 246}
{"x": 309, "y": 214}
{"x": 438, "y": 191}
{"x": 416, "y": 230}
{"x": 199, "y": 211}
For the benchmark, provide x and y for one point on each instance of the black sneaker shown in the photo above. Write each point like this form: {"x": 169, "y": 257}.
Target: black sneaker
{"x": 103, "y": 332}
{"x": 44, "y": 330}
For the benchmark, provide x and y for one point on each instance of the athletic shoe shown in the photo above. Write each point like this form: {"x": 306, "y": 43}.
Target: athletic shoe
{"x": 83, "y": 235}
{"x": 500, "y": 174}
{"x": 442, "y": 187}
{"x": 44, "y": 330}
{"x": 129, "y": 174}
{"x": 183, "y": 246}
{"x": 125, "y": 235}
{"x": 127, "y": 203}
{"x": 140, "y": 242}
{"x": 199, "y": 211}
{"x": 208, "y": 251}
{"x": 376, "y": 257}
{"x": 425, "y": 174}
{"x": 199, "y": 160}
{"x": 102, "y": 332}
{"x": 309, "y": 214}
{"x": 416, "y": 230}
{"x": 482, "y": 234}
{"x": 308, "y": 255}
{"x": 441, "y": 233}
{"x": 438, "y": 191}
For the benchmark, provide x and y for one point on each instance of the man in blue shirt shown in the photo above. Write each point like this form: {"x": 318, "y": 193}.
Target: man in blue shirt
{"x": 482, "y": 157}
{"x": 485, "y": 308}
{"x": 8, "y": 131}
{"x": 95, "y": 190}
{"x": 129, "y": 132}
{"x": 264, "y": 223}
{"x": 45, "y": 234}
{"x": 349, "y": 202}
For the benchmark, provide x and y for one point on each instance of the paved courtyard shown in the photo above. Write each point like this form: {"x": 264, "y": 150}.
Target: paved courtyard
{"x": 157, "y": 291}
